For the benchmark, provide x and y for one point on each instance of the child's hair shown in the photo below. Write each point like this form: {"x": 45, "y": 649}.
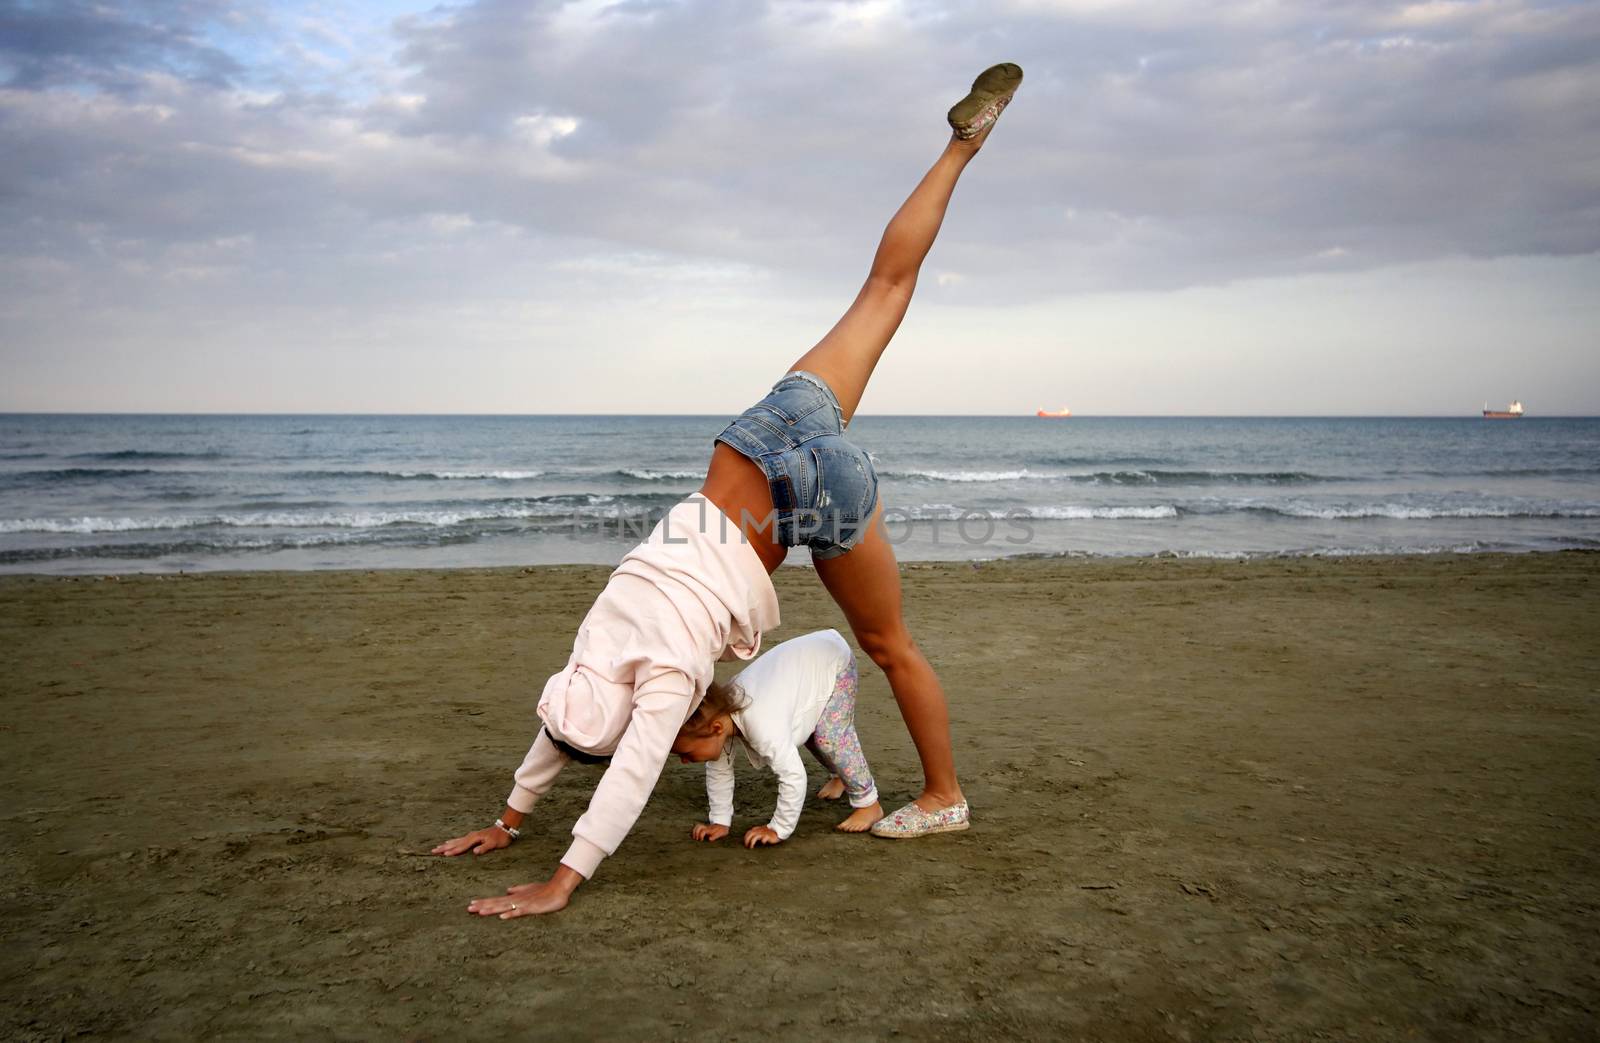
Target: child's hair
{"x": 720, "y": 699}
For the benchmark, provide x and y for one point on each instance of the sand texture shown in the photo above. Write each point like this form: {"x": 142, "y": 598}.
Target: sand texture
{"x": 1277, "y": 800}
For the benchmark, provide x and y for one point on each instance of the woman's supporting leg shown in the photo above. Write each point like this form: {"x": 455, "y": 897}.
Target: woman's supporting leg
{"x": 866, "y": 581}
{"x": 846, "y": 357}
{"x": 866, "y": 585}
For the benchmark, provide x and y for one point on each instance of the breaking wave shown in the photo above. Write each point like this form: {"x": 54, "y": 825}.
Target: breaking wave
{"x": 1129, "y": 477}
{"x": 576, "y": 507}
{"x": 147, "y": 455}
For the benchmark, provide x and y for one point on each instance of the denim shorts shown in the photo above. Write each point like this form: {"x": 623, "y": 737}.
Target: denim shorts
{"x": 823, "y": 486}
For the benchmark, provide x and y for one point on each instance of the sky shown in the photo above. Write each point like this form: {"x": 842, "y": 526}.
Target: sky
{"x": 1202, "y": 207}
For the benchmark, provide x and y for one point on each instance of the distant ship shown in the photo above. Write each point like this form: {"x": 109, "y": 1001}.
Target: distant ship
{"x": 1510, "y": 412}
{"x": 1063, "y": 411}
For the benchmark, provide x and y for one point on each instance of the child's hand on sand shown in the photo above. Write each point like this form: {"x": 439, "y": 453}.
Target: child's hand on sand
{"x": 711, "y": 832}
{"x": 479, "y": 842}
{"x": 758, "y": 835}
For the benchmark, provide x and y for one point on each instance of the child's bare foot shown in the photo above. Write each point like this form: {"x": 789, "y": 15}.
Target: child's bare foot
{"x": 833, "y": 789}
{"x": 861, "y": 819}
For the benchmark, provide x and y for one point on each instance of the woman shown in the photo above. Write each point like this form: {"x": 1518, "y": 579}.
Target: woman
{"x": 782, "y": 474}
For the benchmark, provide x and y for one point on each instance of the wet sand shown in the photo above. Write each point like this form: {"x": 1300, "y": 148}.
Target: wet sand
{"x": 1277, "y": 800}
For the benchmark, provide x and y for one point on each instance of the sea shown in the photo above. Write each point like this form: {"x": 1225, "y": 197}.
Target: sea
{"x": 109, "y": 494}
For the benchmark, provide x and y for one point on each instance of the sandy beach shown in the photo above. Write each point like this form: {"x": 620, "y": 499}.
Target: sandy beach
{"x": 1287, "y": 799}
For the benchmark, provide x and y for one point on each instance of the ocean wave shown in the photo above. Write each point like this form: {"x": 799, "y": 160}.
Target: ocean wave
{"x": 454, "y": 476}
{"x": 1376, "y": 549}
{"x": 951, "y": 512}
{"x": 575, "y": 507}
{"x": 423, "y": 476}
{"x": 1506, "y": 472}
{"x": 629, "y": 474}
{"x": 1361, "y": 551}
{"x": 965, "y": 476}
{"x": 274, "y": 505}
{"x": 1207, "y": 478}
{"x": 1301, "y": 511}
{"x": 644, "y": 474}
{"x": 1128, "y": 477}
{"x": 1103, "y": 460}
{"x": 71, "y": 474}
{"x": 144, "y": 550}
{"x": 1076, "y": 513}
{"x": 147, "y": 454}
{"x": 1407, "y": 512}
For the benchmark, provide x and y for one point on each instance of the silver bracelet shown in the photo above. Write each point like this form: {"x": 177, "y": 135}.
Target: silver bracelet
{"x": 515, "y": 834}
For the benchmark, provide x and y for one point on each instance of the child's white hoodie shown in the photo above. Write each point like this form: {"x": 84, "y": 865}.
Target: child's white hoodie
{"x": 787, "y": 690}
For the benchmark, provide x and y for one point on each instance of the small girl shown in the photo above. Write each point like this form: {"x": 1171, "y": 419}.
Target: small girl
{"x": 803, "y": 691}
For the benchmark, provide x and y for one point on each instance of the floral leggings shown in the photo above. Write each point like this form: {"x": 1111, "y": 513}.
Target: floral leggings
{"x": 834, "y": 742}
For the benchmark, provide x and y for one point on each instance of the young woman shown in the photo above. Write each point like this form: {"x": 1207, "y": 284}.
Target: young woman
{"x": 782, "y": 474}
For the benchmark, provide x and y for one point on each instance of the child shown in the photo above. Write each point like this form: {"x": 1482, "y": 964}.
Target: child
{"x": 803, "y": 691}
{"x": 782, "y": 474}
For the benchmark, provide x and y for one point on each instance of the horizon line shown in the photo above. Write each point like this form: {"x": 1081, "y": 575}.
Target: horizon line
{"x": 977, "y": 416}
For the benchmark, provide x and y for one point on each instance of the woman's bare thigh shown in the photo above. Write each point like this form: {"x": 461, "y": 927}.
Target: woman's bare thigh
{"x": 738, "y": 486}
{"x": 865, "y": 582}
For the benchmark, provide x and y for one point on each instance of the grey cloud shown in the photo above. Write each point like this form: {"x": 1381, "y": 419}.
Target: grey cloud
{"x": 1155, "y": 145}
{"x": 67, "y": 43}
{"x": 1213, "y": 147}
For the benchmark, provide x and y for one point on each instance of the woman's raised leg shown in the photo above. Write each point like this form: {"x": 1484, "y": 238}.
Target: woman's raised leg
{"x": 846, "y": 357}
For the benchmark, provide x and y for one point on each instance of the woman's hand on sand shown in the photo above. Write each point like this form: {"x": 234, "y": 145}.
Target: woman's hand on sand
{"x": 711, "y": 831}
{"x": 530, "y": 899}
{"x": 755, "y": 836}
{"x": 479, "y": 842}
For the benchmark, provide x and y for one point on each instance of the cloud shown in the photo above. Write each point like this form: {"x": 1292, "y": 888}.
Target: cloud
{"x": 460, "y": 154}
{"x": 72, "y": 43}
{"x": 1155, "y": 144}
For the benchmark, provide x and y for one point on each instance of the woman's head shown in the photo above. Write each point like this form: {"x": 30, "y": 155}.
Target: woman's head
{"x": 707, "y": 731}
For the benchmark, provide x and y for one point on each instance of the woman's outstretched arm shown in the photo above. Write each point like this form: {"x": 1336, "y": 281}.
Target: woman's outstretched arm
{"x": 533, "y": 780}
{"x": 660, "y": 705}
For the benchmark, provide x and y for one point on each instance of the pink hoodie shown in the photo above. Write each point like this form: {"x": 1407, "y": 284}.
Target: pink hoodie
{"x": 692, "y": 593}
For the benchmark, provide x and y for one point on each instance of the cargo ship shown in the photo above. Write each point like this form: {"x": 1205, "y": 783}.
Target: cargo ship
{"x": 1062, "y": 412}
{"x": 1510, "y": 412}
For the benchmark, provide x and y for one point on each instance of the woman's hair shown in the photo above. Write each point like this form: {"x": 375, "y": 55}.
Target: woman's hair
{"x": 720, "y": 699}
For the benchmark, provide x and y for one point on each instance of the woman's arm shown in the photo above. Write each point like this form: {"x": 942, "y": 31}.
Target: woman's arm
{"x": 483, "y": 841}
{"x": 659, "y": 708}
{"x": 536, "y": 774}
{"x": 530, "y": 899}
{"x": 533, "y": 780}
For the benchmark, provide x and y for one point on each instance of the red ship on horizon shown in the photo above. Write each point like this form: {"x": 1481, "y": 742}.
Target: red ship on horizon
{"x": 1511, "y": 412}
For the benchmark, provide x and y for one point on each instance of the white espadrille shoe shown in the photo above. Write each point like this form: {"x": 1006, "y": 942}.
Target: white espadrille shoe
{"x": 911, "y": 821}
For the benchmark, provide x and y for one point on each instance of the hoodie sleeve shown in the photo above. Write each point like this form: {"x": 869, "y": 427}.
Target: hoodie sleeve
{"x": 537, "y": 773}
{"x": 659, "y": 708}
{"x": 785, "y": 760}
{"x": 719, "y": 787}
